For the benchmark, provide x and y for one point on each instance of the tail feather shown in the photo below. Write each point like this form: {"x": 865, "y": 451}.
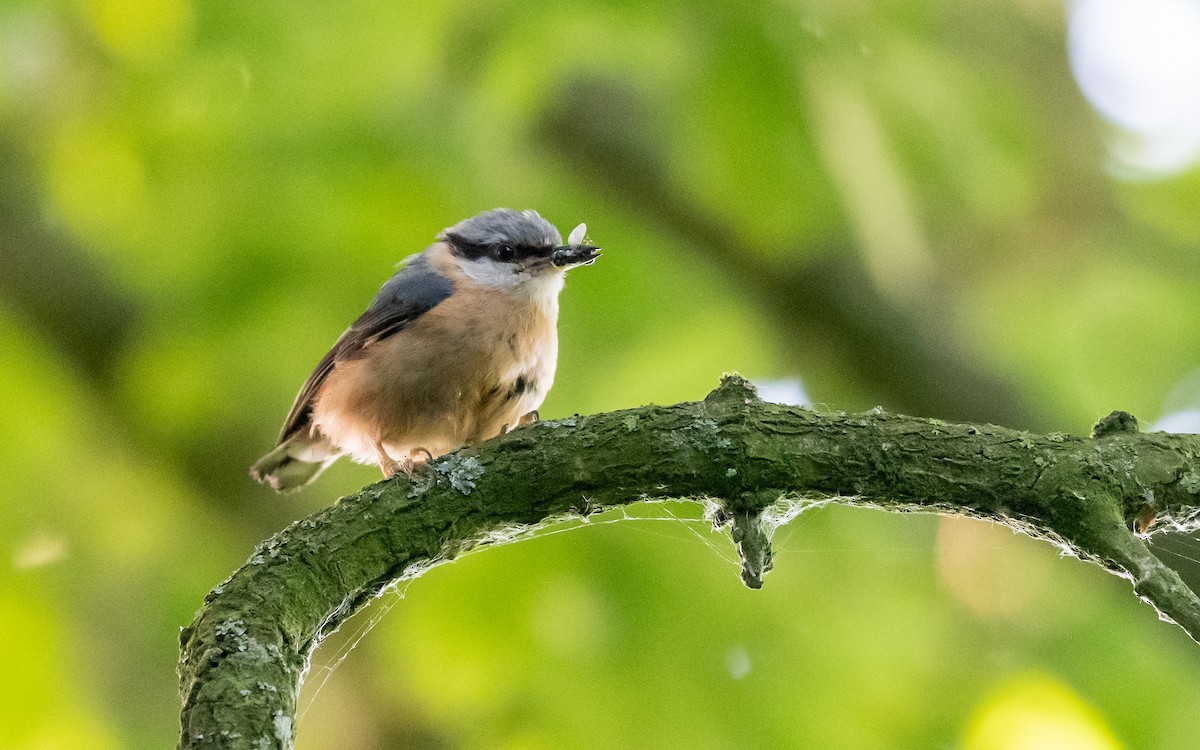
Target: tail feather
{"x": 291, "y": 465}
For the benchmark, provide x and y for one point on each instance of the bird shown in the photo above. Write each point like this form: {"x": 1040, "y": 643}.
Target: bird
{"x": 460, "y": 345}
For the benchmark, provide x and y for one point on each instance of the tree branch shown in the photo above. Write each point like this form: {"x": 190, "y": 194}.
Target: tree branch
{"x": 244, "y": 656}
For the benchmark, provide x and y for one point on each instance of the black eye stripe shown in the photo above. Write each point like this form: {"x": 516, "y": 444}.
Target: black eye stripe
{"x": 464, "y": 249}
{"x": 476, "y": 251}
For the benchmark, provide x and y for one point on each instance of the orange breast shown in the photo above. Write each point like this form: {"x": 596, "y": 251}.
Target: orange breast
{"x": 457, "y": 375}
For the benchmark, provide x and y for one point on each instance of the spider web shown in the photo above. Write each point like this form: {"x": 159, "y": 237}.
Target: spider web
{"x": 689, "y": 520}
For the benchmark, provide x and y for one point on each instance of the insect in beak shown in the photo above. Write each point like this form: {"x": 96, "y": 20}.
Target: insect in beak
{"x": 576, "y": 252}
{"x": 577, "y": 235}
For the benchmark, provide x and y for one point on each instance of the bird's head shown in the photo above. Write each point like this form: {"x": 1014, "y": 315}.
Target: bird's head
{"x": 505, "y": 248}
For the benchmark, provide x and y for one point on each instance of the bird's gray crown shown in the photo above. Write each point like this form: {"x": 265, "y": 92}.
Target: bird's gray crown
{"x": 502, "y": 226}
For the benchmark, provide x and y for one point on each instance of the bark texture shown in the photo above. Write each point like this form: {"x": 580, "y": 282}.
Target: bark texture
{"x": 246, "y": 652}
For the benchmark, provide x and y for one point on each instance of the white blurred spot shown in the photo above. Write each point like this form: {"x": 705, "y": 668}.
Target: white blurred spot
{"x": 789, "y": 391}
{"x": 1138, "y": 63}
{"x": 1181, "y": 407}
{"x": 1187, "y": 422}
{"x": 40, "y": 550}
{"x": 738, "y": 662}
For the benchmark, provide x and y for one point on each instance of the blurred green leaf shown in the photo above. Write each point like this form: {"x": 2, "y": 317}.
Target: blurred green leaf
{"x": 242, "y": 178}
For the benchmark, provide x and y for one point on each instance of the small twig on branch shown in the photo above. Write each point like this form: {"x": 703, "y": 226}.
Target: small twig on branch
{"x": 245, "y": 654}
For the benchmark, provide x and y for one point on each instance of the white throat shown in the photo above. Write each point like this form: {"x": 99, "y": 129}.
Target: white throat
{"x": 537, "y": 288}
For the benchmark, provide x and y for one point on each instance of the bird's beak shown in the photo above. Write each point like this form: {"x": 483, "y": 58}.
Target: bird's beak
{"x": 569, "y": 256}
{"x": 576, "y": 252}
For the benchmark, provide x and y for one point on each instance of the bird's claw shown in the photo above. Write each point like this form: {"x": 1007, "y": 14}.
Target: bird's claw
{"x": 410, "y": 465}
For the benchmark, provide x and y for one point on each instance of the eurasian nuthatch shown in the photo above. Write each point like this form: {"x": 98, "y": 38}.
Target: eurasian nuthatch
{"x": 458, "y": 346}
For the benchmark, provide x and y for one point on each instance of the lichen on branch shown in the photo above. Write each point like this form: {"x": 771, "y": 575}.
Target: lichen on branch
{"x": 243, "y": 657}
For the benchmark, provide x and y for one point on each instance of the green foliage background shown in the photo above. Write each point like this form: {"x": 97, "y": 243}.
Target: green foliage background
{"x": 902, "y": 203}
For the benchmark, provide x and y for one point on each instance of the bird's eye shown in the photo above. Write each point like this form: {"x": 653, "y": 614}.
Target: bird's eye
{"x": 504, "y": 253}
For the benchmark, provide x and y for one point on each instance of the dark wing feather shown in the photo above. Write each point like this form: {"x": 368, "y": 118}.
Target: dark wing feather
{"x": 415, "y": 289}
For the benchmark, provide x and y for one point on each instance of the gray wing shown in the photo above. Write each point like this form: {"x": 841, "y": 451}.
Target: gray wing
{"x": 415, "y": 289}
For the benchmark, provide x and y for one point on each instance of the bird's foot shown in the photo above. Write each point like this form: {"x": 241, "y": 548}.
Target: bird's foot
{"x": 523, "y": 421}
{"x": 410, "y": 465}
{"x": 388, "y": 465}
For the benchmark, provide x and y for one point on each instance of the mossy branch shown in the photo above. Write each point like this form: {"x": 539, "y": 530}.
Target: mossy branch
{"x": 244, "y": 656}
